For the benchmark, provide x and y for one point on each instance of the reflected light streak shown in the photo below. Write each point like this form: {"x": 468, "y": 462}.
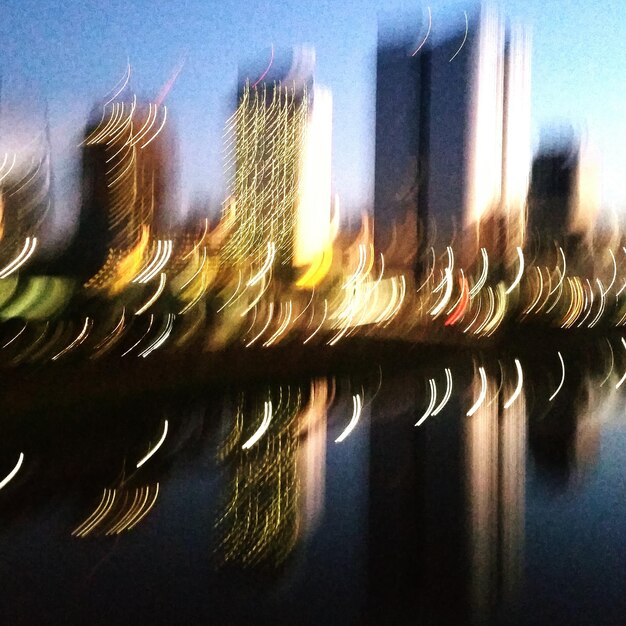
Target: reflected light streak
{"x": 447, "y": 394}
{"x": 356, "y": 412}
{"x": 556, "y": 391}
{"x": 267, "y": 418}
{"x": 431, "y": 403}
{"x": 483, "y": 392}
{"x": 9, "y": 477}
{"x": 156, "y": 447}
{"x": 518, "y": 387}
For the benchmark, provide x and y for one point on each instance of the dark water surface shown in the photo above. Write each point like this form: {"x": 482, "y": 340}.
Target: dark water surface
{"x": 251, "y": 512}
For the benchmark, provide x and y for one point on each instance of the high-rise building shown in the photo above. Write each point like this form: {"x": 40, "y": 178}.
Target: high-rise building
{"x": 126, "y": 166}
{"x": 452, "y": 119}
{"x": 563, "y": 196}
{"x": 279, "y": 142}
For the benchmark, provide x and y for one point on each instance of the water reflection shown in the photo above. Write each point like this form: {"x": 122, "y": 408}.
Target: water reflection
{"x": 400, "y": 496}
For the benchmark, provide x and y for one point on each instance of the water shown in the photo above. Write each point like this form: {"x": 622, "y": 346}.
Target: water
{"x": 250, "y": 511}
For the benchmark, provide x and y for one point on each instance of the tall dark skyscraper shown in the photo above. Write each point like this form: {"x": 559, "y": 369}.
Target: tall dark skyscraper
{"x": 452, "y": 137}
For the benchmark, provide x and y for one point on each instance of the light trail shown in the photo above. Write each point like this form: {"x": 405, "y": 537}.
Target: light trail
{"x": 431, "y": 403}
{"x": 156, "y": 447}
{"x": 446, "y": 395}
{"x": 483, "y": 392}
{"x": 518, "y": 387}
{"x": 265, "y": 423}
{"x": 520, "y": 271}
{"x": 356, "y": 413}
{"x": 11, "y": 475}
{"x": 556, "y": 391}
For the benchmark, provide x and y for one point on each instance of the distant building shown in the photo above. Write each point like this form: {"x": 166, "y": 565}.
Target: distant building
{"x": 280, "y": 148}
{"x": 452, "y": 121}
{"x": 563, "y": 195}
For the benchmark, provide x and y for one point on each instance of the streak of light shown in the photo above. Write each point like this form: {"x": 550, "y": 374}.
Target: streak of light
{"x": 233, "y": 296}
{"x": 463, "y": 302}
{"x": 612, "y": 363}
{"x": 9, "y": 477}
{"x": 431, "y": 402}
{"x": 464, "y": 38}
{"x": 158, "y": 131}
{"x": 356, "y": 413}
{"x": 10, "y": 168}
{"x": 270, "y": 312}
{"x": 265, "y": 423}
{"x": 79, "y": 339}
{"x": 556, "y": 391}
{"x": 446, "y": 296}
{"x": 590, "y": 303}
{"x": 154, "y": 297}
{"x": 124, "y": 80}
{"x": 446, "y": 395}
{"x": 147, "y": 510}
{"x": 558, "y": 295}
{"x": 101, "y": 511}
{"x": 156, "y": 447}
{"x": 21, "y": 258}
{"x": 483, "y": 392}
{"x": 271, "y": 253}
{"x": 430, "y": 274}
{"x": 200, "y": 268}
{"x": 430, "y": 23}
{"x": 539, "y": 292}
{"x": 8, "y": 343}
{"x": 320, "y": 324}
{"x": 614, "y": 272}
{"x": 488, "y": 317}
{"x": 140, "y": 338}
{"x": 562, "y": 273}
{"x": 518, "y": 387}
{"x": 162, "y": 338}
{"x": 483, "y": 275}
{"x": 283, "y": 327}
{"x": 603, "y": 293}
{"x": 520, "y": 272}
{"x": 267, "y": 69}
{"x": 480, "y": 304}
{"x": 150, "y": 120}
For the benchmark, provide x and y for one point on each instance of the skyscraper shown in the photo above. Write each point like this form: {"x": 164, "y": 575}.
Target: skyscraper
{"x": 279, "y": 143}
{"x": 452, "y": 121}
{"x": 126, "y": 185}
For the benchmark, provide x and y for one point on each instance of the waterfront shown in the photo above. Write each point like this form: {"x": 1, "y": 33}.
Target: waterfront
{"x": 249, "y": 509}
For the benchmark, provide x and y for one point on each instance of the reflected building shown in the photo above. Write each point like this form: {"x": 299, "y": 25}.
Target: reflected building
{"x": 452, "y": 140}
{"x": 279, "y": 144}
{"x": 447, "y": 502}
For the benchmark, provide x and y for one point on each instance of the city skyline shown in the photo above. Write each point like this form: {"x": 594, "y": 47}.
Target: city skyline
{"x": 570, "y": 50}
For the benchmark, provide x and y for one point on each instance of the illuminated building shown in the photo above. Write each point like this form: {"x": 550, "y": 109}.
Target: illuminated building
{"x": 452, "y": 120}
{"x": 279, "y": 141}
{"x": 126, "y": 163}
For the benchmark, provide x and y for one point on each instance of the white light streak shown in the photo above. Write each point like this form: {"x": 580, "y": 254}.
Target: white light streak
{"x": 556, "y": 391}
{"x": 431, "y": 403}
{"x": 518, "y": 387}
{"x": 265, "y": 423}
{"x": 520, "y": 271}
{"x": 156, "y": 447}
{"x": 9, "y": 477}
{"x": 464, "y": 38}
{"x": 356, "y": 412}
{"x": 447, "y": 394}
{"x": 483, "y": 392}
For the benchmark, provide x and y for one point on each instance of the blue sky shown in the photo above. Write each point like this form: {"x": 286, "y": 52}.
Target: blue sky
{"x": 71, "y": 52}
